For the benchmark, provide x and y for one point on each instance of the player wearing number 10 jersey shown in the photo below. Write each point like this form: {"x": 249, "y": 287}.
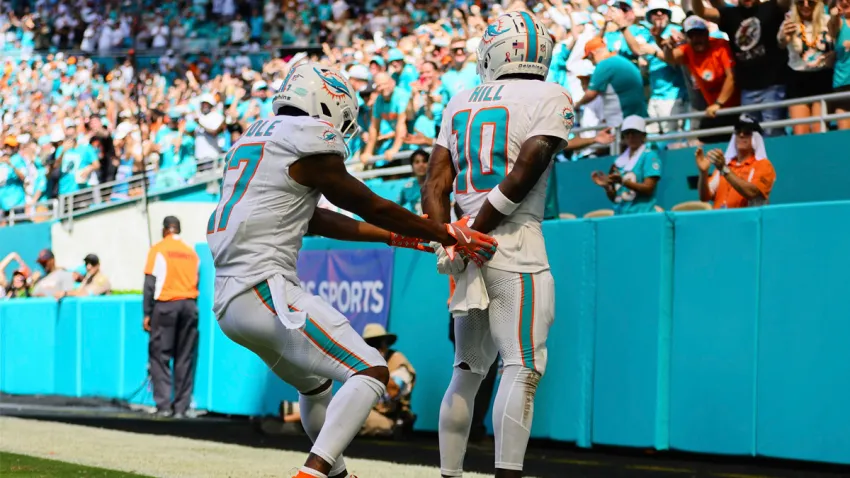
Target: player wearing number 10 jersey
{"x": 495, "y": 152}
{"x": 274, "y": 176}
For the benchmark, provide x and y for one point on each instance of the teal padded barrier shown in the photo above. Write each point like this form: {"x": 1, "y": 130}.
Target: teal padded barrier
{"x": 804, "y": 335}
{"x": 577, "y": 194}
{"x": 715, "y": 315}
{"x": 718, "y": 332}
{"x": 27, "y": 342}
{"x": 207, "y": 326}
{"x": 67, "y": 351}
{"x": 564, "y": 400}
{"x": 633, "y": 280}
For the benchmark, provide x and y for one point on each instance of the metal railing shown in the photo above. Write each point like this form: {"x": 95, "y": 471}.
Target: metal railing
{"x": 139, "y": 187}
{"x": 822, "y": 120}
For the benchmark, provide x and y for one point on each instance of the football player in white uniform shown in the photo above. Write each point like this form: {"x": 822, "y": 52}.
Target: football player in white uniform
{"x": 274, "y": 176}
{"x": 495, "y": 152}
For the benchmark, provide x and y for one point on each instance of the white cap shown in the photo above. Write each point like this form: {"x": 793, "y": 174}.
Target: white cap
{"x": 123, "y": 130}
{"x": 359, "y": 72}
{"x": 658, "y": 5}
{"x": 634, "y": 123}
{"x": 259, "y": 85}
{"x": 57, "y": 135}
{"x": 211, "y": 121}
{"x": 207, "y": 98}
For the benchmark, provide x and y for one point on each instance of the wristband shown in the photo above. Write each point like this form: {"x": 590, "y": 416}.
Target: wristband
{"x": 725, "y": 170}
{"x": 501, "y": 203}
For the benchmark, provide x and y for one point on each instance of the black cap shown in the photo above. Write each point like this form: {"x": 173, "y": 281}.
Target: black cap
{"x": 45, "y": 255}
{"x": 91, "y": 260}
{"x": 748, "y": 123}
{"x": 171, "y": 222}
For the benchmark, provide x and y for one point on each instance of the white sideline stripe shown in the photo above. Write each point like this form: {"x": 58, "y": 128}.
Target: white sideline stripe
{"x": 171, "y": 457}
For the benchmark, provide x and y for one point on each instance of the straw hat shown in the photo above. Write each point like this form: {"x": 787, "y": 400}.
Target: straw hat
{"x": 374, "y": 333}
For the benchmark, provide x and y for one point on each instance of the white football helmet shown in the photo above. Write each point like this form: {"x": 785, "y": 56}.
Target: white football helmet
{"x": 515, "y": 42}
{"x": 321, "y": 92}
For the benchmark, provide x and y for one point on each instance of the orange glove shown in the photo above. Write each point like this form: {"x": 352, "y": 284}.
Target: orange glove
{"x": 471, "y": 244}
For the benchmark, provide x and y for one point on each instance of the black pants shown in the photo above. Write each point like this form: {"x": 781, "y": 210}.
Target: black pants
{"x": 485, "y": 394}
{"x": 174, "y": 335}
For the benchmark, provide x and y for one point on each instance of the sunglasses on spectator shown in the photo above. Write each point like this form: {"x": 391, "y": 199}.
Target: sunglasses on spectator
{"x": 460, "y": 51}
{"x": 743, "y": 133}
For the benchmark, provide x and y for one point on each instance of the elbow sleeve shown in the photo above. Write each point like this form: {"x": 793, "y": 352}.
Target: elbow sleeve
{"x": 148, "y": 293}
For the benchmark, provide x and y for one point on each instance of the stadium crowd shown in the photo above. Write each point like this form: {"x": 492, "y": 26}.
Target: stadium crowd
{"x": 68, "y": 121}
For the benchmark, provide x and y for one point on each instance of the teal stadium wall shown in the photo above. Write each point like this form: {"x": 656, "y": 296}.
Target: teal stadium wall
{"x": 716, "y": 332}
{"x": 25, "y": 239}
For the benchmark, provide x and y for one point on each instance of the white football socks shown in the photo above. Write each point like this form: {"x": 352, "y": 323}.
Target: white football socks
{"x": 345, "y": 415}
{"x": 512, "y": 415}
{"x": 456, "y": 420}
{"x": 313, "y": 410}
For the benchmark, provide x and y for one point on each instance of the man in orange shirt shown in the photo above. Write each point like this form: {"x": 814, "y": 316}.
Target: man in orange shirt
{"x": 743, "y": 176}
{"x": 709, "y": 61}
{"x": 171, "y": 317}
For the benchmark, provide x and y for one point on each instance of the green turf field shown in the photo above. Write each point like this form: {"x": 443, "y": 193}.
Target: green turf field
{"x": 22, "y": 465}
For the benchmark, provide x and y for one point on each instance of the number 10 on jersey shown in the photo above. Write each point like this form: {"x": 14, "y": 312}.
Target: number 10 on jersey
{"x": 482, "y": 148}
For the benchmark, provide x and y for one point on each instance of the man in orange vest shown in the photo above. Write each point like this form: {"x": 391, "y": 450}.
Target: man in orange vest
{"x": 171, "y": 317}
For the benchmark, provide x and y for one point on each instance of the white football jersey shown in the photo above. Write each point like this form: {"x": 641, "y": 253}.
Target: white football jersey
{"x": 257, "y": 228}
{"x": 484, "y": 129}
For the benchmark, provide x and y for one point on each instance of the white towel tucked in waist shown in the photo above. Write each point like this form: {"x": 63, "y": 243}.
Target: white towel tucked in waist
{"x": 470, "y": 292}
{"x": 289, "y": 319}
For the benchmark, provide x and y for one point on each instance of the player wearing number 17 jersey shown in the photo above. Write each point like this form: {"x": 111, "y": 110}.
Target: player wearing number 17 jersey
{"x": 495, "y": 152}
{"x": 274, "y": 176}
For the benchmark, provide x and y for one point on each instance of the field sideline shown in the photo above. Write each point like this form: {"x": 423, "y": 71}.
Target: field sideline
{"x": 170, "y": 457}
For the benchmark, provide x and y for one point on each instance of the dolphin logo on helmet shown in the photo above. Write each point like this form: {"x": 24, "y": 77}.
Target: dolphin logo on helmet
{"x": 494, "y": 30}
{"x": 335, "y": 87}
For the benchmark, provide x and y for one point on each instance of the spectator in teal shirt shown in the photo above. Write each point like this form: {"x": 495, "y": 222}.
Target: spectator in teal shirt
{"x": 359, "y": 75}
{"x": 558, "y": 67}
{"x": 402, "y": 73}
{"x": 668, "y": 92}
{"x": 461, "y": 75}
{"x": 77, "y": 162}
{"x": 617, "y": 80}
{"x": 425, "y": 107}
{"x": 633, "y": 179}
{"x": 12, "y": 176}
{"x": 256, "y": 22}
{"x": 388, "y": 127}
{"x": 622, "y": 10}
{"x": 410, "y": 197}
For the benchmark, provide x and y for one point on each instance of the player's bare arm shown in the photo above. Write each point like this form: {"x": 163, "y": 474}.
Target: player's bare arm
{"x": 338, "y": 226}
{"x": 438, "y": 185}
{"x": 327, "y": 173}
{"x": 334, "y": 225}
{"x": 533, "y": 160}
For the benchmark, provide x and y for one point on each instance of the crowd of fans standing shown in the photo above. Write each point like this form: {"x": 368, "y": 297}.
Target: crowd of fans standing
{"x": 69, "y": 121}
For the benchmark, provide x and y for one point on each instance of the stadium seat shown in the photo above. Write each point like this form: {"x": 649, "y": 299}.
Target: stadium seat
{"x": 566, "y": 215}
{"x": 599, "y": 213}
{"x": 692, "y": 206}
{"x": 659, "y": 208}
